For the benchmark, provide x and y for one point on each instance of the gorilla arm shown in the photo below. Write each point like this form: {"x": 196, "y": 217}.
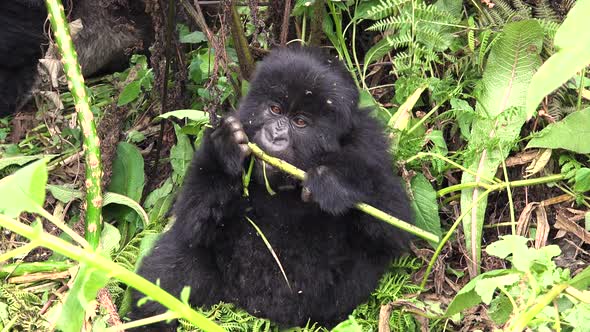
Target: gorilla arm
{"x": 361, "y": 171}
{"x": 212, "y": 184}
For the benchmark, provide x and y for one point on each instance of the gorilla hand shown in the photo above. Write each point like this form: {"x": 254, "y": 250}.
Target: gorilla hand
{"x": 230, "y": 144}
{"x": 324, "y": 186}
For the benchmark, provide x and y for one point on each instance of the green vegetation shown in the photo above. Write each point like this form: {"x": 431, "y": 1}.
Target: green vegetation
{"x": 488, "y": 108}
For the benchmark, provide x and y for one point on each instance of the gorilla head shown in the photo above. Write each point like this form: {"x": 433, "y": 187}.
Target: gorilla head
{"x": 299, "y": 105}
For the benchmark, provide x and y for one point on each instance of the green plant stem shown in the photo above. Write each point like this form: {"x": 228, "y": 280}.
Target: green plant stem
{"x": 580, "y": 88}
{"x": 91, "y": 142}
{"x": 421, "y": 155}
{"x": 424, "y": 118}
{"x": 446, "y": 238}
{"x": 461, "y": 186}
{"x": 372, "y": 211}
{"x": 22, "y": 250}
{"x": 18, "y": 269}
{"x": 501, "y": 186}
{"x": 64, "y": 228}
{"x": 99, "y": 262}
{"x": 341, "y": 48}
{"x": 142, "y": 322}
{"x": 510, "y": 200}
{"x": 523, "y": 319}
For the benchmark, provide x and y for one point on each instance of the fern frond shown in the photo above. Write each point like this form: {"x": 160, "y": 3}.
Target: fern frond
{"x": 385, "y": 8}
{"x": 432, "y": 38}
{"x": 390, "y": 23}
{"x": 398, "y": 41}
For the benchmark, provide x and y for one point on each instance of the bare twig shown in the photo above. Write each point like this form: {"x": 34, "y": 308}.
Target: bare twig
{"x": 384, "y": 315}
{"x": 285, "y": 25}
{"x": 105, "y": 300}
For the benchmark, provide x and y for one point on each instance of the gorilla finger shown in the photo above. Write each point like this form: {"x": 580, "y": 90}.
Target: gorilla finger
{"x": 233, "y": 123}
{"x": 245, "y": 150}
{"x": 240, "y": 137}
{"x": 306, "y": 195}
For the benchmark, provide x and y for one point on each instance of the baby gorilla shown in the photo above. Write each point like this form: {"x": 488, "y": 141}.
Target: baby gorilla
{"x": 303, "y": 109}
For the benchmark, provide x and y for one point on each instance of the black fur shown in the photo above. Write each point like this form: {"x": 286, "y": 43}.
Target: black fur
{"x": 111, "y": 32}
{"x": 21, "y": 35}
{"x": 333, "y": 254}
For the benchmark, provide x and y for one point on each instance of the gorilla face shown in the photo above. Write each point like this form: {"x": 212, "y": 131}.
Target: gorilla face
{"x": 299, "y": 107}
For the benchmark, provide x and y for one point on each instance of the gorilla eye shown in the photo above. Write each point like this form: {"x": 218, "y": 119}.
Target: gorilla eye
{"x": 300, "y": 122}
{"x": 275, "y": 109}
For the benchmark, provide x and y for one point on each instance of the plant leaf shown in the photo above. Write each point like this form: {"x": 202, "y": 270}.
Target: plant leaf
{"x": 129, "y": 93}
{"x": 181, "y": 154}
{"x": 500, "y": 110}
{"x": 24, "y": 190}
{"x": 21, "y": 160}
{"x": 110, "y": 197}
{"x": 84, "y": 289}
{"x": 194, "y": 115}
{"x": 467, "y": 297}
{"x": 559, "y": 135}
{"x": 128, "y": 172}
{"x": 572, "y": 39}
{"x": 425, "y": 206}
{"x": 64, "y": 193}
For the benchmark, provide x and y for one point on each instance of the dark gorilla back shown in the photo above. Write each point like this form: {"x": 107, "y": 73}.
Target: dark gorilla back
{"x": 21, "y": 35}
{"x": 112, "y": 30}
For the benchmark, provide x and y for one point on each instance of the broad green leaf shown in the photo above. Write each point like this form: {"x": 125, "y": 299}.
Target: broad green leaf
{"x": 109, "y": 239}
{"x": 501, "y": 114}
{"x": 64, "y": 193}
{"x": 425, "y": 206}
{"x": 158, "y": 193}
{"x": 508, "y": 245}
{"x": 582, "y": 180}
{"x": 128, "y": 172}
{"x": 21, "y": 160}
{"x": 24, "y": 190}
{"x": 129, "y": 93}
{"x": 194, "y": 37}
{"x": 378, "y": 50}
{"x": 367, "y": 100}
{"x": 464, "y": 114}
{"x": 110, "y": 197}
{"x": 467, "y": 297}
{"x": 560, "y": 135}
{"x": 582, "y": 279}
{"x": 486, "y": 287}
{"x": 193, "y": 115}
{"x": 181, "y": 154}
{"x": 572, "y": 40}
{"x": 127, "y": 180}
{"x": 84, "y": 290}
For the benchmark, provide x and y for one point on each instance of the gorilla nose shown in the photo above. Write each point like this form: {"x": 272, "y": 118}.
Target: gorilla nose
{"x": 274, "y": 141}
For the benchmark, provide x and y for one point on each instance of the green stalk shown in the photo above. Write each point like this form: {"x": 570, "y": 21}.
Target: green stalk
{"x": 366, "y": 208}
{"x": 501, "y": 186}
{"x": 524, "y": 318}
{"x": 91, "y": 143}
{"x": 448, "y": 236}
{"x": 19, "y": 269}
{"x": 99, "y": 262}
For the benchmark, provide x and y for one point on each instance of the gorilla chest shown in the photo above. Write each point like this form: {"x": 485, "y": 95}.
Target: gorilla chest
{"x": 307, "y": 242}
